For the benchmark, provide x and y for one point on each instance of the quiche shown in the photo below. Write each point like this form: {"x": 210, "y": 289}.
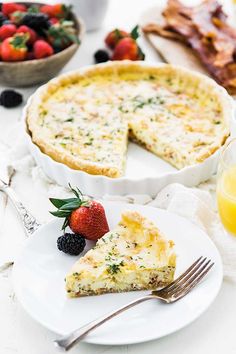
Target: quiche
{"x": 133, "y": 256}
{"x": 84, "y": 119}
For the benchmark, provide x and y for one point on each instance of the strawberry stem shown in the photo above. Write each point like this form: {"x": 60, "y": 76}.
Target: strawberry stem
{"x": 66, "y": 206}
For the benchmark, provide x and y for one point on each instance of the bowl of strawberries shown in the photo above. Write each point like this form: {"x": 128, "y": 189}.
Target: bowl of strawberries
{"x": 36, "y": 41}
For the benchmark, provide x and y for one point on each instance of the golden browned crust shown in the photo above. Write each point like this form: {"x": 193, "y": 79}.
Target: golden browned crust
{"x": 104, "y": 291}
{"x": 154, "y": 286}
{"x": 195, "y": 80}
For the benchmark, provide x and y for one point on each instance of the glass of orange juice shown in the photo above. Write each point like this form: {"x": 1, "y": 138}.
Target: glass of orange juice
{"x": 226, "y": 187}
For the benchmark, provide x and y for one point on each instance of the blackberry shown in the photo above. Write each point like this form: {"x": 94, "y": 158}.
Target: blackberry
{"x": 7, "y": 22}
{"x": 38, "y": 21}
{"x": 10, "y": 98}
{"x": 101, "y": 56}
{"x": 2, "y": 18}
{"x": 72, "y": 244}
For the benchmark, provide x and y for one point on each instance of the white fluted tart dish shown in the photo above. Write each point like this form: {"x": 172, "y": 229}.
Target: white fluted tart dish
{"x": 126, "y": 127}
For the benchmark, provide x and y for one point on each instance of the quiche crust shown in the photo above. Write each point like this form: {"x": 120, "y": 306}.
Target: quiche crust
{"x": 182, "y": 89}
{"x": 133, "y": 256}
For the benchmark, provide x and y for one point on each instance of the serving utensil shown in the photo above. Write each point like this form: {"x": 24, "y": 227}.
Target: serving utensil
{"x": 29, "y": 222}
{"x": 171, "y": 293}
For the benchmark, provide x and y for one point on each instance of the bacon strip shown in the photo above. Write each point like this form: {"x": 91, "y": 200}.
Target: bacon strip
{"x": 205, "y": 29}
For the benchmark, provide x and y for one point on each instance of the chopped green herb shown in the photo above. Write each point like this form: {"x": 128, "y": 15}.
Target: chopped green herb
{"x": 121, "y": 109}
{"x": 114, "y": 268}
{"x": 44, "y": 112}
{"x": 90, "y": 142}
{"x": 151, "y": 77}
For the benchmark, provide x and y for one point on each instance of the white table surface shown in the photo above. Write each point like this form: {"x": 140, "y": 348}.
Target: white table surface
{"x": 214, "y": 332}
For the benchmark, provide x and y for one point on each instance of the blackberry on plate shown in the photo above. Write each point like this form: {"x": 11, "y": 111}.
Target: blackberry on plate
{"x": 72, "y": 244}
{"x": 38, "y": 21}
{"x": 101, "y": 56}
{"x": 10, "y": 98}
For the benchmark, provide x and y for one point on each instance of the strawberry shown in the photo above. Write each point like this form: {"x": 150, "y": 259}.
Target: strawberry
{"x": 127, "y": 48}
{"x": 57, "y": 10}
{"x": 30, "y": 31}
{"x": 48, "y": 10}
{"x": 7, "y": 30}
{"x": 85, "y": 217}
{"x": 9, "y": 8}
{"x": 89, "y": 221}
{"x": 62, "y": 34}
{"x": 114, "y": 37}
{"x": 42, "y": 49}
{"x": 54, "y": 20}
{"x": 14, "y": 48}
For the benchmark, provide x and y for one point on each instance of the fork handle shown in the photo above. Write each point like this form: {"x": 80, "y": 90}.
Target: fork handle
{"x": 70, "y": 340}
{"x": 29, "y": 222}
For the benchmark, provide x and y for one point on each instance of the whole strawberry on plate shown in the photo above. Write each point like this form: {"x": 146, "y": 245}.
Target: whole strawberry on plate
{"x": 84, "y": 216}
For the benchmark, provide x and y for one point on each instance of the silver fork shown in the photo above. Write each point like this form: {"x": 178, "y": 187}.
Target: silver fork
{"x": 171, "y": 293}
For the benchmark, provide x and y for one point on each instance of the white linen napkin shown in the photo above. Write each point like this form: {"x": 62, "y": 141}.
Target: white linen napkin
{"x": 196, "y": 204}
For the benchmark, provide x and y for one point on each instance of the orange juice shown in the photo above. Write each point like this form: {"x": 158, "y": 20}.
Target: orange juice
{"x": 226, "y": 197}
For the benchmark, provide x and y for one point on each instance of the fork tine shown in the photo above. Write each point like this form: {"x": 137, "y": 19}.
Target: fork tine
{"x": 181, "y": 276}
{"x": 192, "y": 283}
{"x": 192, "y": 274}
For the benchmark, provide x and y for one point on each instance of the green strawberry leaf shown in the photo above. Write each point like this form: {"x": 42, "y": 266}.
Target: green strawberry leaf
{"x": 58, "y": 203}
{"x": 72, "y": 38}
{"x": 19, "y": 41}
{"x": 141, "y": 54}
{"x": 71, "y": 206}
{"x": 63, "y": 35}
{"x": 60, "y": 213}
{"x": 117, "y": 34}
{"x": 33, "y": 9}
{"x": 76, "y": 191}
{"x": 66, "y": 206}
{"x": 135, "y": 32}
{"x": 67, "y": 9}
{"x": 65, "y": 224}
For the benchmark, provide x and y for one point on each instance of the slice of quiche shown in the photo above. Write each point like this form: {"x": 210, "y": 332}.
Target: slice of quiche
{"x": 133, "y": 256}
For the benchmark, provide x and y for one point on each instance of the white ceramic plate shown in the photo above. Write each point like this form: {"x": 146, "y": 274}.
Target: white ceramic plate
{"x": 40, "y": 270}
{"x": 145, "y": 173}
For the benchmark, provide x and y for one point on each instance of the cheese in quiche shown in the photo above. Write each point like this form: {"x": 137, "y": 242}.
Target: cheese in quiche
{"x": 85, "y": 119}
{"x": 133, "y": 256}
